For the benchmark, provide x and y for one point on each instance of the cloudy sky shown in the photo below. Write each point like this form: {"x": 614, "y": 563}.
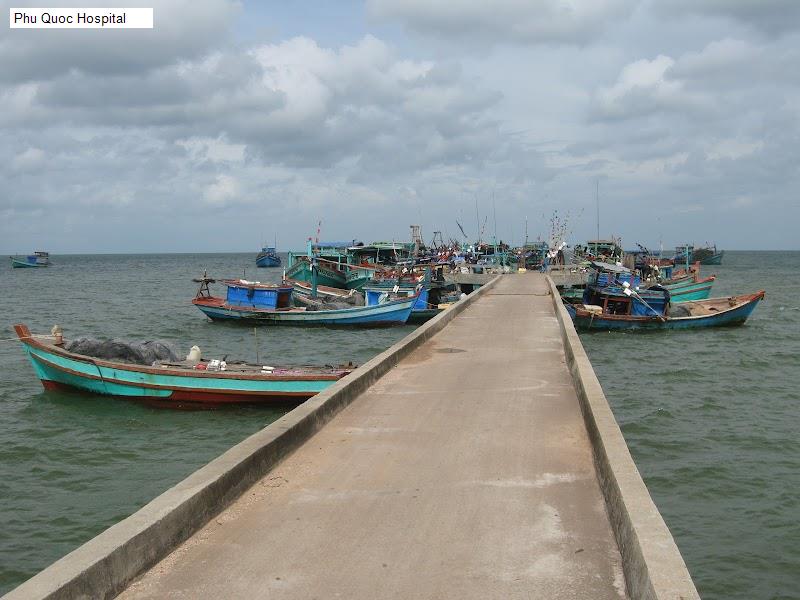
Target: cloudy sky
{"x": 233, "y": 122}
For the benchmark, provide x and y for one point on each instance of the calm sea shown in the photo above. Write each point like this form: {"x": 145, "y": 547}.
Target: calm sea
{"x": 71, "y": 465}
{"x": 712, "y": 420}
{"x": 710, "y": 416}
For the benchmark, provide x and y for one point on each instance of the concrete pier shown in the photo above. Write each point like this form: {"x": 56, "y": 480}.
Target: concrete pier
{"x": 477, "y": 458}
{"x": 465, "y": 472}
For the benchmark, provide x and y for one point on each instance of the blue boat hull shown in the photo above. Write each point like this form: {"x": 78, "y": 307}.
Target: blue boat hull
{"x": 268, "y": 261}
{"x": 736, "y": 315}
{"x": 386, "y": 314}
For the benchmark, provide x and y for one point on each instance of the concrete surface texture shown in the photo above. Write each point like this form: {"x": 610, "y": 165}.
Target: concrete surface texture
{"x": 464, "y": 472}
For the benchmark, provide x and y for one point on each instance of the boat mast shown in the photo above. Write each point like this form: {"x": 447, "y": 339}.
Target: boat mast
{"x": 477, "y": 221}
{"x": 494, "y": 210}
{"x": 597, "y": 201}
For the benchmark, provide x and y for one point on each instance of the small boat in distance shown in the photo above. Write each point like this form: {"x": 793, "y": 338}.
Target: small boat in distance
{"x": 37, "y": 259}
{"x": 709, "y": 255}
{"x": 705, "y": 255}
{"x": 175, "y": 383}
{"x": 268, "y": 257}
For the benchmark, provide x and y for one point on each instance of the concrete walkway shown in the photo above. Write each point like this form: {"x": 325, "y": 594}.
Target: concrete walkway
{"x": 465, "y": 472}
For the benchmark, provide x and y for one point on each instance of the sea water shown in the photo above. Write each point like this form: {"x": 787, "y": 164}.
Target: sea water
{"x": 73, "y": 464}
{"x": 710, "y": 416}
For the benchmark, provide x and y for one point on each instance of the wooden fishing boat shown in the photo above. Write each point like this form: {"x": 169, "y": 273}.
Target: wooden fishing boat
{"x": 263, "y": 304}
{"x": 690, "y": 290}
{"x": 37, "y": 259}
{"x": 173, "y": 383}
{"x": 705, "y": 255}
{"x": 329, "y": 273}
{"x": 359, "y": 275}
{"x": 304, "y": 288}
{"x": 714, "y": 312}
{"x": 268, "y": 257}
{"x": 709, "y": 255}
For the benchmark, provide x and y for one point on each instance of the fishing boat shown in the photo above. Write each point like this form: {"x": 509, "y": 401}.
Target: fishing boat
{"x": 614, "y": 300}
{"x": 713, "y": 312}
{"x": 705, "y": 255}
{"x": 684, "y": 291}
{"x": 268, "y": 257}
{"x": 264, "y": 304}
{"x": 708, "y": 255}
{"x": 37, "y": 259}
{"x": 194, "y": 382}
{"x": 430, "y": 299}
{"x": 304, "y": 288}
{"x": 607, "y": 250}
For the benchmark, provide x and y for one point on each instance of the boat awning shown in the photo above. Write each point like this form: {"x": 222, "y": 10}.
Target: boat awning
{"x": 609, "y": 267}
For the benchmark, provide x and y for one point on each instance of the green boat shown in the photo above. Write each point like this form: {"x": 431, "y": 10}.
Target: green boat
{"x": 32, "y": 261}
{"x": 685, "y": 291}
{"x": 170, "y": 383}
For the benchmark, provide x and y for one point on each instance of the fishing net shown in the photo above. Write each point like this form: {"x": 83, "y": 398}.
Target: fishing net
{"x": 138, "y": 353}
{"x": 676, "y": 310}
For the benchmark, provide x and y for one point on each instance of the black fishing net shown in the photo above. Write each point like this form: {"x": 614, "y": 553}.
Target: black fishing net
{"x": 676, "y": 310}
{"x": 138, "y": 353}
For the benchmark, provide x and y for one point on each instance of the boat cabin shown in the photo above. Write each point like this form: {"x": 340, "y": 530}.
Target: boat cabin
{"x": 252, "y": 293}
{"x": 607, "y": 249}
{"x": 615, "y": 289}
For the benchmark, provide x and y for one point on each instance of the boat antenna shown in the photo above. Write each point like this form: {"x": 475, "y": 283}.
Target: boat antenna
{"x": 526, "y": 230}
{"x": 494, "y": 211}
{"x": 597, "y": 201}
{"x": 477, "y": 220}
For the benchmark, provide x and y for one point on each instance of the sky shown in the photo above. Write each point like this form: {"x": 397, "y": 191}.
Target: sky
{"x": 232, "y": 124}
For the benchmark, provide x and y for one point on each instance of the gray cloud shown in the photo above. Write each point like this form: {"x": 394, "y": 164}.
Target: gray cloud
{"x": 183, "y": 30}
{"x": 526, "y": 21}
{"x": 688, "y": 122}
{"x": 768, "y": 16}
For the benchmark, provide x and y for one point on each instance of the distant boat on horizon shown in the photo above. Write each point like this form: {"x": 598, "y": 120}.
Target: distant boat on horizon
{"x": 705, "y": 255}
{"x": 37, "y": 259}
{"x": 268, "y": 257}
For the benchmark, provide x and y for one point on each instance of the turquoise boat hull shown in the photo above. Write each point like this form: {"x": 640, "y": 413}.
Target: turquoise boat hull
{"x": 18, "y": 263}
{"x": 714, "y": 259}
{"x": 687, "y": 291}
{"x": 357, "y": 279}
{"x": 59, "y": 369}
{"x": 301, "y": 270}
{"x": 689, "y": 294}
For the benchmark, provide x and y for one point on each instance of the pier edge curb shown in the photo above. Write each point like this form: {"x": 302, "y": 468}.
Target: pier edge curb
{"x": 652, "y": 563}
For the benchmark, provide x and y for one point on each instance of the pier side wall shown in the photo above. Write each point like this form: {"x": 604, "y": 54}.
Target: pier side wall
{"x": 103, "y": 566}
{"x": 653, "y": 565}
